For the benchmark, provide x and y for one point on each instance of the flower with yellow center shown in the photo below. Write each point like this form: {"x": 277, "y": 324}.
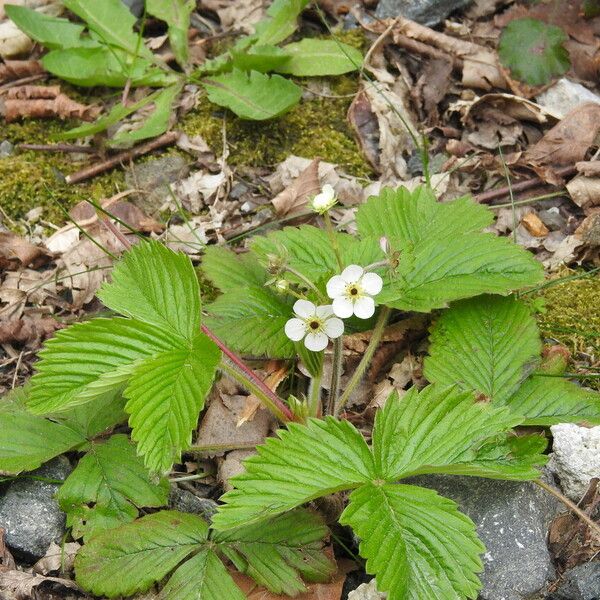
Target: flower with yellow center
{"x": 315, "y": 324}
{"x": 352, "y": 292}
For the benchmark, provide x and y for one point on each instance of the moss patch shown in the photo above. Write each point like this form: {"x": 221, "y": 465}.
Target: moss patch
{"x": 30, "y": 179}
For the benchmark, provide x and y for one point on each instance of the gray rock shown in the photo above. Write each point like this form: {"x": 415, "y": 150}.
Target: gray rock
{"x": 30, "y": 514}
{"x": 366, "y": 591}
{"x": 512, "y": 521}
{"x": 565, "y": 95}
{"x": 580, "y": 583}
{"x": 426, "y": 12}
{"x": 190, "y": 503}
{"x": 575, "y": 457}
{"x": 6, "y": 148}
{"x": 135, "y": 6}
{"x": 552, "y": 218}
{"x": 152, "y": 178}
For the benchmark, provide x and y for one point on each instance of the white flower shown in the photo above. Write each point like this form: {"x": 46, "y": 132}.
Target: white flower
{"x": 322, "y": 202}
{"x": 352, "y": 292}
{"x": 316, "y": 324}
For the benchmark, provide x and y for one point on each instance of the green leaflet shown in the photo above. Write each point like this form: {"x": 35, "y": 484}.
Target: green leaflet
{"x": 491, "y": 345}
{"x": 443, "y": 254}
{"x": 252, "y": 95}
{"x": 167, "y": 297}
{"x": 281, "y": 21}
{"x": 534, "y": 51}
{"x": 313, "y": 57}
{"x": 165, "y": 396}
{"x": 177, "y": 15}
{"x": 107, "y": 487}
{"x": 259, "y": 58}
{"x": 131, "y": 558}
{"x": 52, "y": 32}
{"x": 230, "y": 271}
{"x": 416, "y": 542}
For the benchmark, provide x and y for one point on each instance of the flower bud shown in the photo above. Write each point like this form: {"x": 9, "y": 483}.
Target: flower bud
{"x": 322, "y": 202}
{"x": 282, "y": 285}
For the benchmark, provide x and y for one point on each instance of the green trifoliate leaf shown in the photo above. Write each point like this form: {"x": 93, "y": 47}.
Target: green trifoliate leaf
{"x": 488, "y": 345}
{"x": 203, "y": 577}
{"x": 107, "y": 487}
{"x": 157, "y": 286}
{"x": 156, "y": 123}
{"x": 443, "y": 256}
{"x": 304, "y": 463}
{"x": 51, "y": 32}
{"x": 165, "y": 396}
{"x": 112, "y": 22}
{"x": 254, "y": 96}
{"x": 176, "y": 13}
{"x": 426, "y": 431}
{"x": 546, "y": 400}
{"x": 534, "y": 51}
{"x": 259, "y": 58}
{"x": 26, "y": 440}
{"x": 128, "y": 560}
{"x": 281, "y": 21}
{"x": 416, "y": 542}
{"x": 279, "y": 552}
{"x": 314, "y": 57}
{"x": 89, "y": 359}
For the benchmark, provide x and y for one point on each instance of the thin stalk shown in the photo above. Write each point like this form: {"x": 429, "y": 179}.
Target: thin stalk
{"x": 314, "y": 396}
{"x": 384, "y": 315}
{"x": 570, "y": 505}
{"x": 532, "y": 200}
{"x": 269, "y": 400}
{"x": 334, "y": 240}
{"x": 194, "y": 477}
{"x": 305, "y": 280}
{"x": 336, "y": 375}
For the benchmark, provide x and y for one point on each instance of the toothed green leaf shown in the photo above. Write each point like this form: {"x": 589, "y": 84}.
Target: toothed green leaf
{"x": 312, "y": 57}
{"x": 157, "y": 286}
{"x": 165, "y": 396}
{"x": 107, "y": 487}
{"x": 417, "y": 543}
{"x": 303, "y": 463}
{"x": 443, "y": 255}
{"x": 230, "y": 271}
{"x": 474, "y": 345}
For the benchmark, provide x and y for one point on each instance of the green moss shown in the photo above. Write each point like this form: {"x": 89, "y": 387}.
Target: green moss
{"x": 572, "y": 316}
{"x": 30, "y": 179}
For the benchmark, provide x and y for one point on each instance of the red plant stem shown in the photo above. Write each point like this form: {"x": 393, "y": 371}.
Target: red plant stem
{"x": 233, "y": 357}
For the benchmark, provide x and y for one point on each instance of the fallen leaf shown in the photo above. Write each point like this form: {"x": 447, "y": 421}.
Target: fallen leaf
{"x": 57, "y": 558}
{"x": 242, "y": 15}
{"x": 295, "y": 197}
{"x": 232, "y": 465}
{"x": 19, "y": 69}
{"x": 16, "y": 252}
{"x": 27, "y": 330}
{"x": 534, "y": 225}
{"x": 276, "y": 371}
{"x": 6, "y": 559}
{"x": 17, "y": 585}
{"x": 585, "y": 191}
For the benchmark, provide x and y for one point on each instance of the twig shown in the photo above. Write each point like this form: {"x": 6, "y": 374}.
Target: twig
{"x": 89, "y": 172}
{"x": 486, "y": 197}
{"x": 18, "y": 82}
{"x": 57, "y": 148}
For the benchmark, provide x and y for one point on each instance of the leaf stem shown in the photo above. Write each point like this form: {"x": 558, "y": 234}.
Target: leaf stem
{"x": 570, "y": 505}
{"x": 334, "y": 241}
{"x": 384, "y": 315}
{"x": 336, "y": 375}
{"x": 306, "y": 281}
{"x": 314, "y": 396}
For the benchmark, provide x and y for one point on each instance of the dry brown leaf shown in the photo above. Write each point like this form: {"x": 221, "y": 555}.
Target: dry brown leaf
{"x": 43, "y": 102}
{"x": 589, "y": 168}
{"x": 16, "y": 252}
{"x": 27, "y": 330}
{"x": 276, "y": 371}
{"x": 232, "y": 465}
{"x": 294, "y": 198}
{"x": 432, "y": 86}
{"x": 57, "y": 558}
{"x": 585, "y": 191}
{"x": 6, "y": 559}
{"x": 534, "y": 225}
{"x": 17, "y": 585}
{"x": 568, "y": 141}
{"x": 19, "y": 69}
{"x": 241, "y": 15}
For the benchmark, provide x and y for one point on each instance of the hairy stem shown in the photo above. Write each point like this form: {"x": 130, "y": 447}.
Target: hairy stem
{"x": 570, "y": 505}
{"x": 384, "y": 315}
{"x": 314, "y": 396}
{"x": 336, "y": 375}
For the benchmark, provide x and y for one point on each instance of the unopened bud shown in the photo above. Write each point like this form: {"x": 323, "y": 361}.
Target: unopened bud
{"x": 322, "y": 202}
{"x": 282, "y": 285}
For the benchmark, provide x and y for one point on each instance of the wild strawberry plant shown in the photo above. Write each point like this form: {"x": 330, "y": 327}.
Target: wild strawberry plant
{"x": 294, "y": 293}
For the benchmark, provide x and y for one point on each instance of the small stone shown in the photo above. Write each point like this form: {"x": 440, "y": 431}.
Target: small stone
{"x": 580, "y": 583}
{"x": 512, "y": 521}
{"x": 6, "y": 149}
{"x": 152, "y": 178}
{"x": 575, "y": 458}
{"x": 552, "y": 219}
{"x": 425, "y": 12}
{"x": 135, "y": 6}
{"x": 534, "y": 225}
{"x": 367, "y": 591}
{"x": 185, "y": 501}
{"x": 564, "y": 96}
{"x": 30, "y": 514}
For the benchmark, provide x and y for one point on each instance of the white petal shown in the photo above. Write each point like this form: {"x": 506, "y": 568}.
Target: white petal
{"x": 316, "y": 341}
{"x": 295, "y": 329}
{"x": 342, "y": 308}
{"x": 371, "y": 283}
{"x": 324, "y": 311}
{"x": 334, "y": 327}
{"x": 364, "y": 307}
{"x": 304, "y": 308}
{"x": 328, "y": 192}
{"x": 336, "y": 286}
{"x": 352, "y": 273}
